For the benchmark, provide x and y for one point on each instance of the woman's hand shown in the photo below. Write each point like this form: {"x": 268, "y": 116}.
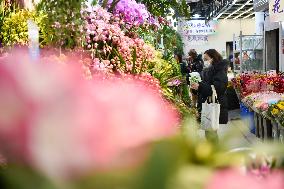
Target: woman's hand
{"x": 194, "y": 86}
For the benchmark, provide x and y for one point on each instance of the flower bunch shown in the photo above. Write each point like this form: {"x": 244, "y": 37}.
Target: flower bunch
{"x": 256, "y": 82}
{"x": 163, "y": 21}
{"x": 174, "y": 82}
{"x": 91, "y": 124}
{"x": 113, "y": 51}
{"x": 195, "y": 77}
{"x": 132, "y": 13}
{"x": 262, "y": 100}
{"x": 277, "y": 111}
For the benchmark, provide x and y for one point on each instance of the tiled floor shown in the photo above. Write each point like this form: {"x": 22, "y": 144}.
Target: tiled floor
{"x": 237, "y": 131}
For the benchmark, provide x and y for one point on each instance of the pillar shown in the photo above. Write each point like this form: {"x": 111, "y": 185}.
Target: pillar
{"x": 259, "y": 23}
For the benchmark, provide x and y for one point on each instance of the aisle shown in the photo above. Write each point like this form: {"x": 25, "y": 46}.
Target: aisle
{"x": 237, "y": 130}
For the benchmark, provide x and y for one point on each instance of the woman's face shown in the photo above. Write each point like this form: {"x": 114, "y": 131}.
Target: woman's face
{"x": 206, "y": 57}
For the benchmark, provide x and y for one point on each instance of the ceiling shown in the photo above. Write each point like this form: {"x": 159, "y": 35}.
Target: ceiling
{"x": 222, "y": 9}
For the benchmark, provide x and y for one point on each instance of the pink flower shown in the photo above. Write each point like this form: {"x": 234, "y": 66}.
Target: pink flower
{"x": 61, "y": 124}
{"x": 233, "y": 179}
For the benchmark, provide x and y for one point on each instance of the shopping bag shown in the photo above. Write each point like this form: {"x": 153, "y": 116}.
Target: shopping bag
{"x": 210, "y": 113}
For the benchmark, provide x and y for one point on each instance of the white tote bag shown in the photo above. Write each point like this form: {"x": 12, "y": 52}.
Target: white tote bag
{"x": 210, "y": 113}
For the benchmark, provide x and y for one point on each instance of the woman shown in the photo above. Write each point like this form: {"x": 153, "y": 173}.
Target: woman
{"x": 195, "y": 64}
{"x": 215, "y": 74}
{"x": 182, "y": 64}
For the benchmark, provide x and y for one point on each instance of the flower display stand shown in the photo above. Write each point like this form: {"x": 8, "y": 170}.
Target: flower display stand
{"x": 281, "y": 132}
{"x": 247, "y": 113}
{"x": 256, "y": 123}
{"x": 261, "y": 127}
{"x": 267, "y": 125}
{"x": 275, "y": 131}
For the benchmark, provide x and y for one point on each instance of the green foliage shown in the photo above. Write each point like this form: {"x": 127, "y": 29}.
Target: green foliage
{"x": 64, "y": 21}
{"x": 94, "y": 2}
{"x": 22, "y": 177}
{"x": 162, "y": 7}
{"x": 165, "y": 71}
{"x": 5, "y": 9}
{"x": 172, "y": 40}
{"x": 148, "y": 34}
{"x": 173, "y": 43}
{"x": 15, "y": 28}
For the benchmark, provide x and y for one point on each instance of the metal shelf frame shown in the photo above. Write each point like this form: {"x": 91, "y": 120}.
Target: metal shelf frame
{"x": 254, "y": 49}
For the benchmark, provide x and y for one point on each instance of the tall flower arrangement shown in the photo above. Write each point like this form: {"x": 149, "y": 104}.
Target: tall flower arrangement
{"x": 113, "y": 51}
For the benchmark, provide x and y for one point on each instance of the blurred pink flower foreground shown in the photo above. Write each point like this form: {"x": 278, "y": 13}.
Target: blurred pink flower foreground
{"x": 53, "y": 118}
{"x": 233, "y": 179}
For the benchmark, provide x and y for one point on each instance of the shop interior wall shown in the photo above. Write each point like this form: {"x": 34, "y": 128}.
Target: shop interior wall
{"x": 225, "y": 31}
{"x": 271, "y": 49}
{"x": 281, "y": 47}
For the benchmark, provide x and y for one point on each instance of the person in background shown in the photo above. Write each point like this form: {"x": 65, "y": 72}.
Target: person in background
{"x": 237, "y": 61}
{"x": 231, "y": 60}
{"x": 245, "y": 56}
{"x": 195, "y": 61}
{"x": 214, "y": 74}
{"x": 183, "y": 67}
{"x": 195, "y": 64}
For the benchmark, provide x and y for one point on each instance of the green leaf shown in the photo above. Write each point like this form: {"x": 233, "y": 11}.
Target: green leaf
{"x": 122, "y": 61}
{"x": 134, "y": 58}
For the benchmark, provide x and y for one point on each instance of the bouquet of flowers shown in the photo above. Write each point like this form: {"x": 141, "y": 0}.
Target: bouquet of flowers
{"x": 195, "y": 77}
{"x": 277, "y": 111}
{"x": 262, "y": 100}
{"x": 249, "y": 83}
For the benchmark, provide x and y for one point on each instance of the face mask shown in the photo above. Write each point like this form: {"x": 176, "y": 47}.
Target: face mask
{"x": 206, "y": 64}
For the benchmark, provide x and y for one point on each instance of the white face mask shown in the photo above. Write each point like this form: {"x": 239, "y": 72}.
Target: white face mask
{"x": 207, "y": 63}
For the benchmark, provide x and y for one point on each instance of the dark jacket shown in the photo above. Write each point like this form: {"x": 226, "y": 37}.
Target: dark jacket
{"x": 183, "y": 68}
{"x": 196, "y": 65}
{"x": 215, "y": 75}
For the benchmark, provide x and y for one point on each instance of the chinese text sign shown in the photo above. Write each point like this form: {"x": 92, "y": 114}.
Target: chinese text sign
{"x": 276, "y": 10}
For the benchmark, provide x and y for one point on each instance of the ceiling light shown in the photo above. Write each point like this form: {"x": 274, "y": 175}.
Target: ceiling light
{"x": 243, "y": 13}
{"x": 238, "y": 9}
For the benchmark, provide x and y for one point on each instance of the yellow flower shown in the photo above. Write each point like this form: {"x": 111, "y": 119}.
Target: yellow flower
{"x": 281, "y": 107}
{"x": 275, "y": 111}
{"x": 282, "y": 103}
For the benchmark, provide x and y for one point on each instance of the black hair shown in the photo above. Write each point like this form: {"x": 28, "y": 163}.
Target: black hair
{"x": 212, "y": 53}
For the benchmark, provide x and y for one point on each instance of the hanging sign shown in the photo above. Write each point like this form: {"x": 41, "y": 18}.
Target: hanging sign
{"x": 276, "y": 10}
{"x": 197, "y": 39}
{"x": 198, "y": 27}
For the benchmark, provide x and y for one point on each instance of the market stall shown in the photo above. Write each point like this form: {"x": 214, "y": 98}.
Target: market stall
{"x": 263, "y": 94}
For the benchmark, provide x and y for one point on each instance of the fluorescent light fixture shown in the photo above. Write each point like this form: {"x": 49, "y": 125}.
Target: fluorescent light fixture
{"x": 243, "y": 13}
{"x": 230, "y": 5}
{"x": 238, "y": 9}
{"x": 249, "y": 15}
